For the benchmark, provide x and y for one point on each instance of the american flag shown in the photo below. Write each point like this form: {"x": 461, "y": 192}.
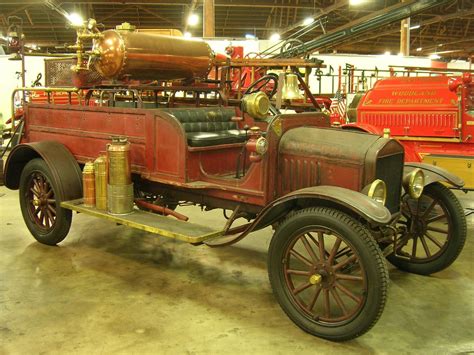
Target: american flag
{"x": 338, "y": 104}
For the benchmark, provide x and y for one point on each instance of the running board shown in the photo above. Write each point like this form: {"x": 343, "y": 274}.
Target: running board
{"x": 151, "y": 222}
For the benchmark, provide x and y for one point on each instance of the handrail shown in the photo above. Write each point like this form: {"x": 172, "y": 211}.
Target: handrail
{"x": 37, "y": 88}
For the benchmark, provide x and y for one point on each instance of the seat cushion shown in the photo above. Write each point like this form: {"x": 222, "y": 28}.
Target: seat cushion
{"x": 204, "y": 139}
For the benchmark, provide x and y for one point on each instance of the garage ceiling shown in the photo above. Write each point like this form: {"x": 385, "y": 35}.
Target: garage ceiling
{"x": 448, "y": 29}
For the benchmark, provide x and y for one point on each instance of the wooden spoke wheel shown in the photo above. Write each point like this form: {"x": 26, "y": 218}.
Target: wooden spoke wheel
{"x": 327, "y": 273}
{"x": 40, "y": 204}
{"x": 435, "y": 231}
{"x": 41, "y": 201}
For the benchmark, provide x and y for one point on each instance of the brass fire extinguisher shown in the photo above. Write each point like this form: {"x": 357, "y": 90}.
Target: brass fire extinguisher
{"x": 100, "y": 170}
{"x": 88, "y": 183}
{"x": 120, "y": 186}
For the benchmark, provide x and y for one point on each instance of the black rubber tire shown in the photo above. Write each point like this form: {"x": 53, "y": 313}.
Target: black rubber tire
{"x": 60, "y": 228}
{"x": 455, "y": 243}
{"x": 370, "y": 257}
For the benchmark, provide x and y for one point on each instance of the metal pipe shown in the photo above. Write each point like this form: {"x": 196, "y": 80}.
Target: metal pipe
{"x": 160, "y": 209}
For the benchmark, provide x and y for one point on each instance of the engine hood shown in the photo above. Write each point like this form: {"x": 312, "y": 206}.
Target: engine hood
{"x": 311, "y": 156}
{"x": 336, "y": 144}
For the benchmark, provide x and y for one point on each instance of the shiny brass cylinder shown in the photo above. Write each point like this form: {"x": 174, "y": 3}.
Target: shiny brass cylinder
{"x": 88, "y": 183}
{"x": 100, "y": 171}
{"x": 118, "y": 161}
{"x": 120, "y": 199}
{"x": 145, "y": 56}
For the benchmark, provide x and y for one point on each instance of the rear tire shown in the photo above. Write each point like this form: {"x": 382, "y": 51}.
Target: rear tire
{"x": 327, "y": 273}
{"x": 40, "y": 204}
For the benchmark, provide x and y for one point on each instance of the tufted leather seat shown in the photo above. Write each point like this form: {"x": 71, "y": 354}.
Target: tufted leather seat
{"x": 208, "y": 126}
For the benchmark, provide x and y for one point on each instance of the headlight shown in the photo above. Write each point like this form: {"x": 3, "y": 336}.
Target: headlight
{"x": 261, "y": 146}
{"x": 378, "y": 191}
{"x": 415, "y": 182}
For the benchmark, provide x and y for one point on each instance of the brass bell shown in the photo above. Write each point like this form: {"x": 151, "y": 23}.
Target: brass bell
{"x": 290, "y": 90}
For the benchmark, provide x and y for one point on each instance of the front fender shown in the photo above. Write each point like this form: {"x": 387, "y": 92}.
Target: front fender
{"x": 60, "y": 161}
{"x": 434, "y": 174}
{"x": 347, "y": 200}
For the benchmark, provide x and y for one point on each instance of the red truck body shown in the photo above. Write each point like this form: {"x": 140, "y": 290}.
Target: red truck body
{"x": 433, "y": 117}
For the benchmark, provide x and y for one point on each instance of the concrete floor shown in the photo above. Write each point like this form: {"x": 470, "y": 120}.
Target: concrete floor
{"x": 108, "y": 288}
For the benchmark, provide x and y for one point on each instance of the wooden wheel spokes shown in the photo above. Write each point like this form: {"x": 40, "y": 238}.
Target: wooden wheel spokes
{"x": 429, "y": 229}
{"x": 41, "y": 201}
{"x": 324, "y": 276}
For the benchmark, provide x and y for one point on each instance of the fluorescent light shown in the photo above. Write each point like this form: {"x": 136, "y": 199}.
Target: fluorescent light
{"x": 187, "y": 35}
{"x": 249, "y": 36}
{"x": 414, "y": 27}
{"x": 75, "y": 19}
{"x": 193, "y": 20}
{"x": 308, "y": 21}
{"x": 275, "y": 37}
{"x": 419, "y": 49}
{"x": 434, "y": 56}
{"x": 440, "y": 45}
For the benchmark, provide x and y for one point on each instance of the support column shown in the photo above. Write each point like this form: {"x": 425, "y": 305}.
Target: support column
{"x": 209, "y": 29}
{"x": 405, "y": 36}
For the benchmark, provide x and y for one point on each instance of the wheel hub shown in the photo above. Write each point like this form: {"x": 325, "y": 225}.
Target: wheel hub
{"x": 315, "y": 279}
{"x": 322, "y": 275}
{"x": 419, "y": 227}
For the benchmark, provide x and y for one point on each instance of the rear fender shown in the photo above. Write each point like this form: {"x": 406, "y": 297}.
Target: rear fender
{"x": 62, "y": 164}
{"x": 434, "y": 174}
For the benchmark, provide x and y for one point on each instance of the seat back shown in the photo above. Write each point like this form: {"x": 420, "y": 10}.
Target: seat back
{"x": 205, "y": 119}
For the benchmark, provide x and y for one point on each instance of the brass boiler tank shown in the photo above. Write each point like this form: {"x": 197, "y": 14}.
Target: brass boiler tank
{"x": 143, "y": 56}
{"x": 120, "y": 186}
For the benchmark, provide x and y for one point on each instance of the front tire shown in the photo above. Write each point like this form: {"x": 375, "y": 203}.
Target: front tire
{"x": 327, "y": 273}
{"x": 435, "y": 231}
{"x": 40, "y": 204}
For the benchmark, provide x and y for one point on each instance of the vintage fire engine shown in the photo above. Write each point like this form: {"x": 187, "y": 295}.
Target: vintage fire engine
{"x": 339, "y": 201}
{"x": 433, "y": 118}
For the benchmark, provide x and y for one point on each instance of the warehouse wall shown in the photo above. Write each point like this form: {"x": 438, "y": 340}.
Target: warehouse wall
{"x": 33, "y": 65}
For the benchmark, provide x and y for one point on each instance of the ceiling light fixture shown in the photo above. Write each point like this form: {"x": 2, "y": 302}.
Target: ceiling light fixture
{"x": 308, "y": 21}
{"x": 419, "y": 49}
{"x": 275, "y": 37}
{"x": 193, "y": 20}
{"x": 414, "y": 27}
{"x": 249, "y": 36}
{"x": 356, "y": 2}
{"x": 75, "y": 19}
{"x": 434, "y": 56}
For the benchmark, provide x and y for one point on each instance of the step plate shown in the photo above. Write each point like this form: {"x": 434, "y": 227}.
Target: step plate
{"x": 150, "y": 222}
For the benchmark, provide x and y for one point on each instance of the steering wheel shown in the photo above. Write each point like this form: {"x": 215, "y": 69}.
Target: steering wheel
{"x": 261, "y": 84}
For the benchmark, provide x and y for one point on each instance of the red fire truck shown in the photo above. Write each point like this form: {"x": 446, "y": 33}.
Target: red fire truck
{"x": 339, "y": 201}
{"x": 433, "y": 118}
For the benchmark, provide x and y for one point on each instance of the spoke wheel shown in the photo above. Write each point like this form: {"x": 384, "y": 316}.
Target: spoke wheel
{"x": 327, "y": 273}
{"x": 40, "y": 204}
{"x": 435, "y": 231}
{"x": 41, "y": 201}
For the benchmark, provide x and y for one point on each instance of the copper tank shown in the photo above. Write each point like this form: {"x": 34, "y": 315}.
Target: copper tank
{"x": 144, "y": 56}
